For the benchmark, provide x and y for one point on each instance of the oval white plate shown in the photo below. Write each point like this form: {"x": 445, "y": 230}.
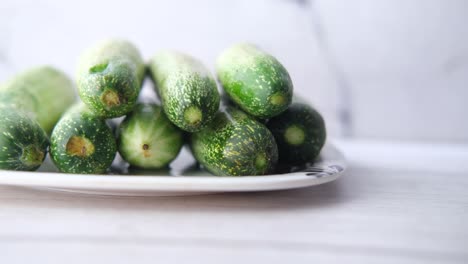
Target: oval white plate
{"x": 183, "y": 178}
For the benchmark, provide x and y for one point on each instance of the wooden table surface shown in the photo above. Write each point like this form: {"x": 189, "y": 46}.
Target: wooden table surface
{"x": 397, "y": 203}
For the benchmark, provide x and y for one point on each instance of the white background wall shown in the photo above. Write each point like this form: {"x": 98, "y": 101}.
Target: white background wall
{"x": 406, "y": 63}
{"x": 399, "y": 66}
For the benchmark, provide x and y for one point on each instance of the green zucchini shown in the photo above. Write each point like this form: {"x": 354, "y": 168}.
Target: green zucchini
{"x": 147, "y": 139}
{"x": 82, "y": 142}
{"x": 110, "y": 77}
{"x": 299, "y": 132}
{"x": 188, "y": 92}
{"x": 235, "y": 144}
{"x": 254, "y": 80}
{"x": 23, "y": 143}
{"x": 44, "y": 93}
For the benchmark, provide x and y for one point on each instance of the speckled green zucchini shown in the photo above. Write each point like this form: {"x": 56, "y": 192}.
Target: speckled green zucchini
{"x": 44, "y": 93}
{"x": 254, "y": 80}
{"x": 82, "y": 142}
{"x": 235, "y": 144}
{"x": 110, "y": 77}
{"x": 23, "y": 143}
{"x": 188, "y": 92}
{"x": 147, "y": 139}
{"x": 299, "y": 132}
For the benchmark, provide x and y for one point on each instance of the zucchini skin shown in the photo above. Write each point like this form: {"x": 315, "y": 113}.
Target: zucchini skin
{"x": 23, "y": 143}
{"x": 109, "y": 77}
{"x": 183, "y": 83}
{"x": 147, "y": 139}
{"x": 36, "y": 92}
{"x": 305, "y": 146}
{"x": 235, "y": 144}
{"x": 82, "y": 142}
{"x": 254, "y": 80}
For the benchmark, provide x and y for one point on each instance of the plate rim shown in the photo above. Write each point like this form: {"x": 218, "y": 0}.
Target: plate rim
{"x": 168, "y": 183}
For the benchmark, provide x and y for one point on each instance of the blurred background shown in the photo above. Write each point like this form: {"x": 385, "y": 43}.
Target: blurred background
{"x": 389, "y": 69}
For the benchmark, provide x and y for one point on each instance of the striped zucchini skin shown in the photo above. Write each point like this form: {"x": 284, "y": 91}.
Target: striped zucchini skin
{"x": 82, "y": 142}
{"x": 299, "y": 132}
{"x": 147, "y": 139}
{"x": 43, "y": 92}
{"x": 188, "y": 92}
{"x": 235, "y": 144}
{"x": 109, "y": 77}
{"x": 254, "y": 80}
{"x": 23, "y": 143}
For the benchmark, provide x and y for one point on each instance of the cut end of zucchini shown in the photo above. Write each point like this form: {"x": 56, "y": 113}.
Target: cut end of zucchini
{"x": 110, "y": 98}
{"x": 80, "y": 146}
{"x": 193, "y": 115}
{"x": 294, "y": 135}
{"x": 146, "y": 150}
{"x": 32, "y": 156}
{"x": 278, "y": 99}
{"x": 261, "y": 162}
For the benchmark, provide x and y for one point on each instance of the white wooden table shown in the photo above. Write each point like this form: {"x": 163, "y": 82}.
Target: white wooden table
{"x": 398, "y": 203}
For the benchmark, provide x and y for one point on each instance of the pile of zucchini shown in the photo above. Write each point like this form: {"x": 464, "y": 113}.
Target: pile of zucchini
{"x": 249, "y": 130}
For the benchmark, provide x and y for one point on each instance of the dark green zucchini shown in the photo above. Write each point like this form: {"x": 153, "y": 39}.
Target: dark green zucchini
{"x": 147, "y": 139}
{"x": 299, "y": 132}
{"x": 82, "y": 142}
{"x": 44, "y": 93}
{"x": 254, "y": 80}
{"x": 188, "y": 92}
{"x": 23, "y": 143}
{"x": 110, "y": 77}
{"x": 235, "y": 144}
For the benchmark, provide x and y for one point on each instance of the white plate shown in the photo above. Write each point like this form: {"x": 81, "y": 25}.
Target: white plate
{"x": 183, "y": 178}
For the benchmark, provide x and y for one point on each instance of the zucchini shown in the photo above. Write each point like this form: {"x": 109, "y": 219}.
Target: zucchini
{"x": 82, "y": 142}
{"x": 110, "y": 77}
{"x": 235, "y": 144}
{"x": 188, "y": 92}
{"x": 23, "y": 143}
{"x": 254, "y": 80}
{"x": 147, "y": 139}
{"x": 44, "y": 93}
{"x": 299, "y": 132}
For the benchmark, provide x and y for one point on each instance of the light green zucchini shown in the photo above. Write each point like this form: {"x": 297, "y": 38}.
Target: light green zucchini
{"x": 43, "y": 92}
{"x": 109, "y": 77}
{"x": 81, "y": 142}
{"x": 23, "y": 143}
{"x": 188, "y": 92}
{"x": 147, "y": 139}
{"x": 254, "y": 80}
{"x": 235, "y": 144}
